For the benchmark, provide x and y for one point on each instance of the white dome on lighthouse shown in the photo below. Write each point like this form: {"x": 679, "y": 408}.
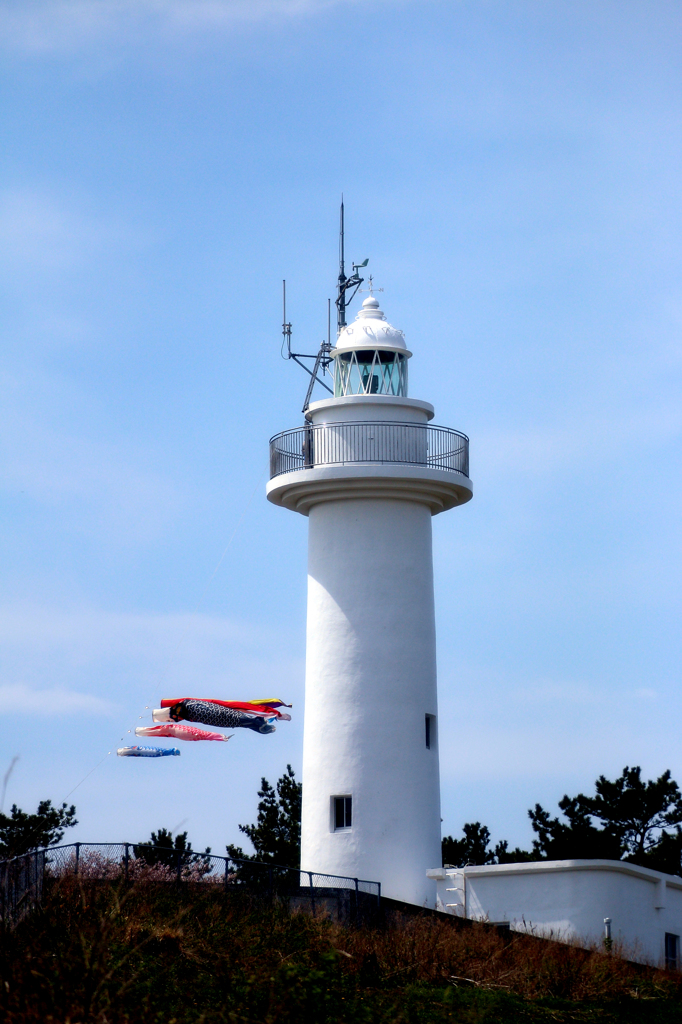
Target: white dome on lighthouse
{"x": 371, "y": 330}
{"x": 370, "y": 357}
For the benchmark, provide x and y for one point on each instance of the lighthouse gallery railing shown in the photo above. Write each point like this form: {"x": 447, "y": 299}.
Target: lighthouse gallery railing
{"x": 333, "y": 444}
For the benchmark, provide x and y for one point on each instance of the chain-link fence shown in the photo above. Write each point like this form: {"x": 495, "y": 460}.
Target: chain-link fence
{"x": 22, "y": 878}
{"x": 21, "y": 886}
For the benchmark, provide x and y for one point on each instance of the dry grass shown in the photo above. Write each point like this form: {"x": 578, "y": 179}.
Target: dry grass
{"x": 431, "y": 951}
{"x": 101, "y": 953}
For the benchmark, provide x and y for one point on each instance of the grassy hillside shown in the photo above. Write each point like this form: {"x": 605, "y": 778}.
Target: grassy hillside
{"x": 98, "y": 952}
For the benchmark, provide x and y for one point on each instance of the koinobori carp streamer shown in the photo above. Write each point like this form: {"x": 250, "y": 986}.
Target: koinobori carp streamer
{"x": 147, "y": 751}
{"x": 267, "y": 708}
{"x": 172, "y": 730}
{"x": 212, "y": 713}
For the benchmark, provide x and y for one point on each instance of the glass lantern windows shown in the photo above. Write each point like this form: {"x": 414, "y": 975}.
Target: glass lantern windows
{"x": 370, "y": 372}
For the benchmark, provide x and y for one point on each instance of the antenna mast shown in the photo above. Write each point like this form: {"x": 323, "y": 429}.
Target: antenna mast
{"x": 345, "y": 283}
{"x": 286, "y": 327}
{"x": 322, "y": 359}
{"x": 341, "y": 301}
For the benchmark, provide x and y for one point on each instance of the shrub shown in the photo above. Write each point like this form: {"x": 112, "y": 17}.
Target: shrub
{"x": 107, "y": 953}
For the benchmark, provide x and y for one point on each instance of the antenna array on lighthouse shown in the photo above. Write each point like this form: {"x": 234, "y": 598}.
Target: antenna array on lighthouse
{"x": 322, "y": 360}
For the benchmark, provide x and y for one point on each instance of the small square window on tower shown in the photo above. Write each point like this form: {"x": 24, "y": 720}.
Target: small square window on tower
{"x": 672, "y": 951}
{"x": 430, "y": 727}
{"x": 342, "y": 813}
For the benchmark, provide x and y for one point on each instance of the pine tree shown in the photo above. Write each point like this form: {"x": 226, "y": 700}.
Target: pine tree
{"x": 276, "y": 836}
{"x": 173, "y": 852}
{"x": 640, "y": 822}
{"x": 626, "y": 819}
{"x": 473, "y": 848}
{"x": 21, "y": 832}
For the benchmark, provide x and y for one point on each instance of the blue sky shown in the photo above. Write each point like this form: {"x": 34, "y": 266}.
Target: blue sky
{"x": 512, "y": 171}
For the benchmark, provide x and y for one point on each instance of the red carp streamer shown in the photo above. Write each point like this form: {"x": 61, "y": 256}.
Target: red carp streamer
{"x": 179, "y": 732}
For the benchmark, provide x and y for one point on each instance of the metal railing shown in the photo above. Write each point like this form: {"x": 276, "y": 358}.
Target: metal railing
{"x": 334, "y": 444}
{"x": 22, "y": 878}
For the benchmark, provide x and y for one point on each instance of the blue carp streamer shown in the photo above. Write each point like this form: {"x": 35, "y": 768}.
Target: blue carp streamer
{"x": 147, "y": 751}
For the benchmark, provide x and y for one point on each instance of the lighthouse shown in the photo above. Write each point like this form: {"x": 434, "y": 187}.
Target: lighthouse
{"x": 369, "y": 470}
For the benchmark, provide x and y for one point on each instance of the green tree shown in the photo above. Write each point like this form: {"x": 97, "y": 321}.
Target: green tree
{"x": 503, "y": 855}
{"x": 666, "y": 855}
{"x": 638, "y": 813}
{"x": 276, "y": 836}
{"x": 627, "y": 819}
{"x": 172, "y": 852}
{"x": 21, "y": 832}
{"x": 576, "y": 837}
{"x": 474, "y": 848}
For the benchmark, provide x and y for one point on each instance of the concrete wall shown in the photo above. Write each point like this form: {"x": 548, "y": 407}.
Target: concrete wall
{"x": 569, "y": 900}
{"x": 384, "y": 408}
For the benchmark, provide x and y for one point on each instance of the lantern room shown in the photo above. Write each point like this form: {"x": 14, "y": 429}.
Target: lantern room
{"x": 370, "y": 357}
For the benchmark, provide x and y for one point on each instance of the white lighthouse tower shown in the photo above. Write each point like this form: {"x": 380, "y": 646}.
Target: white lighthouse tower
{"x": 369, "y": 472}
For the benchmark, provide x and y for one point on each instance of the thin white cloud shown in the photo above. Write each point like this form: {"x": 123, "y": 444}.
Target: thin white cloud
{"x": 538, "y": 452}
{"x": 553, "y": 728}
{"x": 110, "y": 484}
{"x": 103, "y": 485}
{"x": 41, "y": 231}
{"x": 556, "y": 694}
{"x": 47, "y": 25}
{"x": 134, "y": 655}
{"x": 17, "y": 698}
{"x": 48, "y": 627}
{"x": 558, "y": 745}
{"x": 36, "y": 230}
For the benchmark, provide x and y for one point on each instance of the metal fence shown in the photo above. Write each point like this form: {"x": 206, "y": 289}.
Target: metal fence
{"x": 332, "y": 444}
{"x": 21, "y": 886}
{"x": 22, "y": 879}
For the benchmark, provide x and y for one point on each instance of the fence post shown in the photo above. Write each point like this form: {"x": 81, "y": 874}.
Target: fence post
{"x": 127, "y": 860}
{"x": 226, "y": 866}
{"x": 312, "y": 892}
{"x": 78, "y": 854}
{"x": 308, "y": 449}
{"x": 179, "y": 867}
{"x": 6, "y": 914}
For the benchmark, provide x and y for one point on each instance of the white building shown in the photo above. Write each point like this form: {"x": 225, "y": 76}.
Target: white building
{"x": 369, "y": 472}
{"x": 573, "y": 900}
